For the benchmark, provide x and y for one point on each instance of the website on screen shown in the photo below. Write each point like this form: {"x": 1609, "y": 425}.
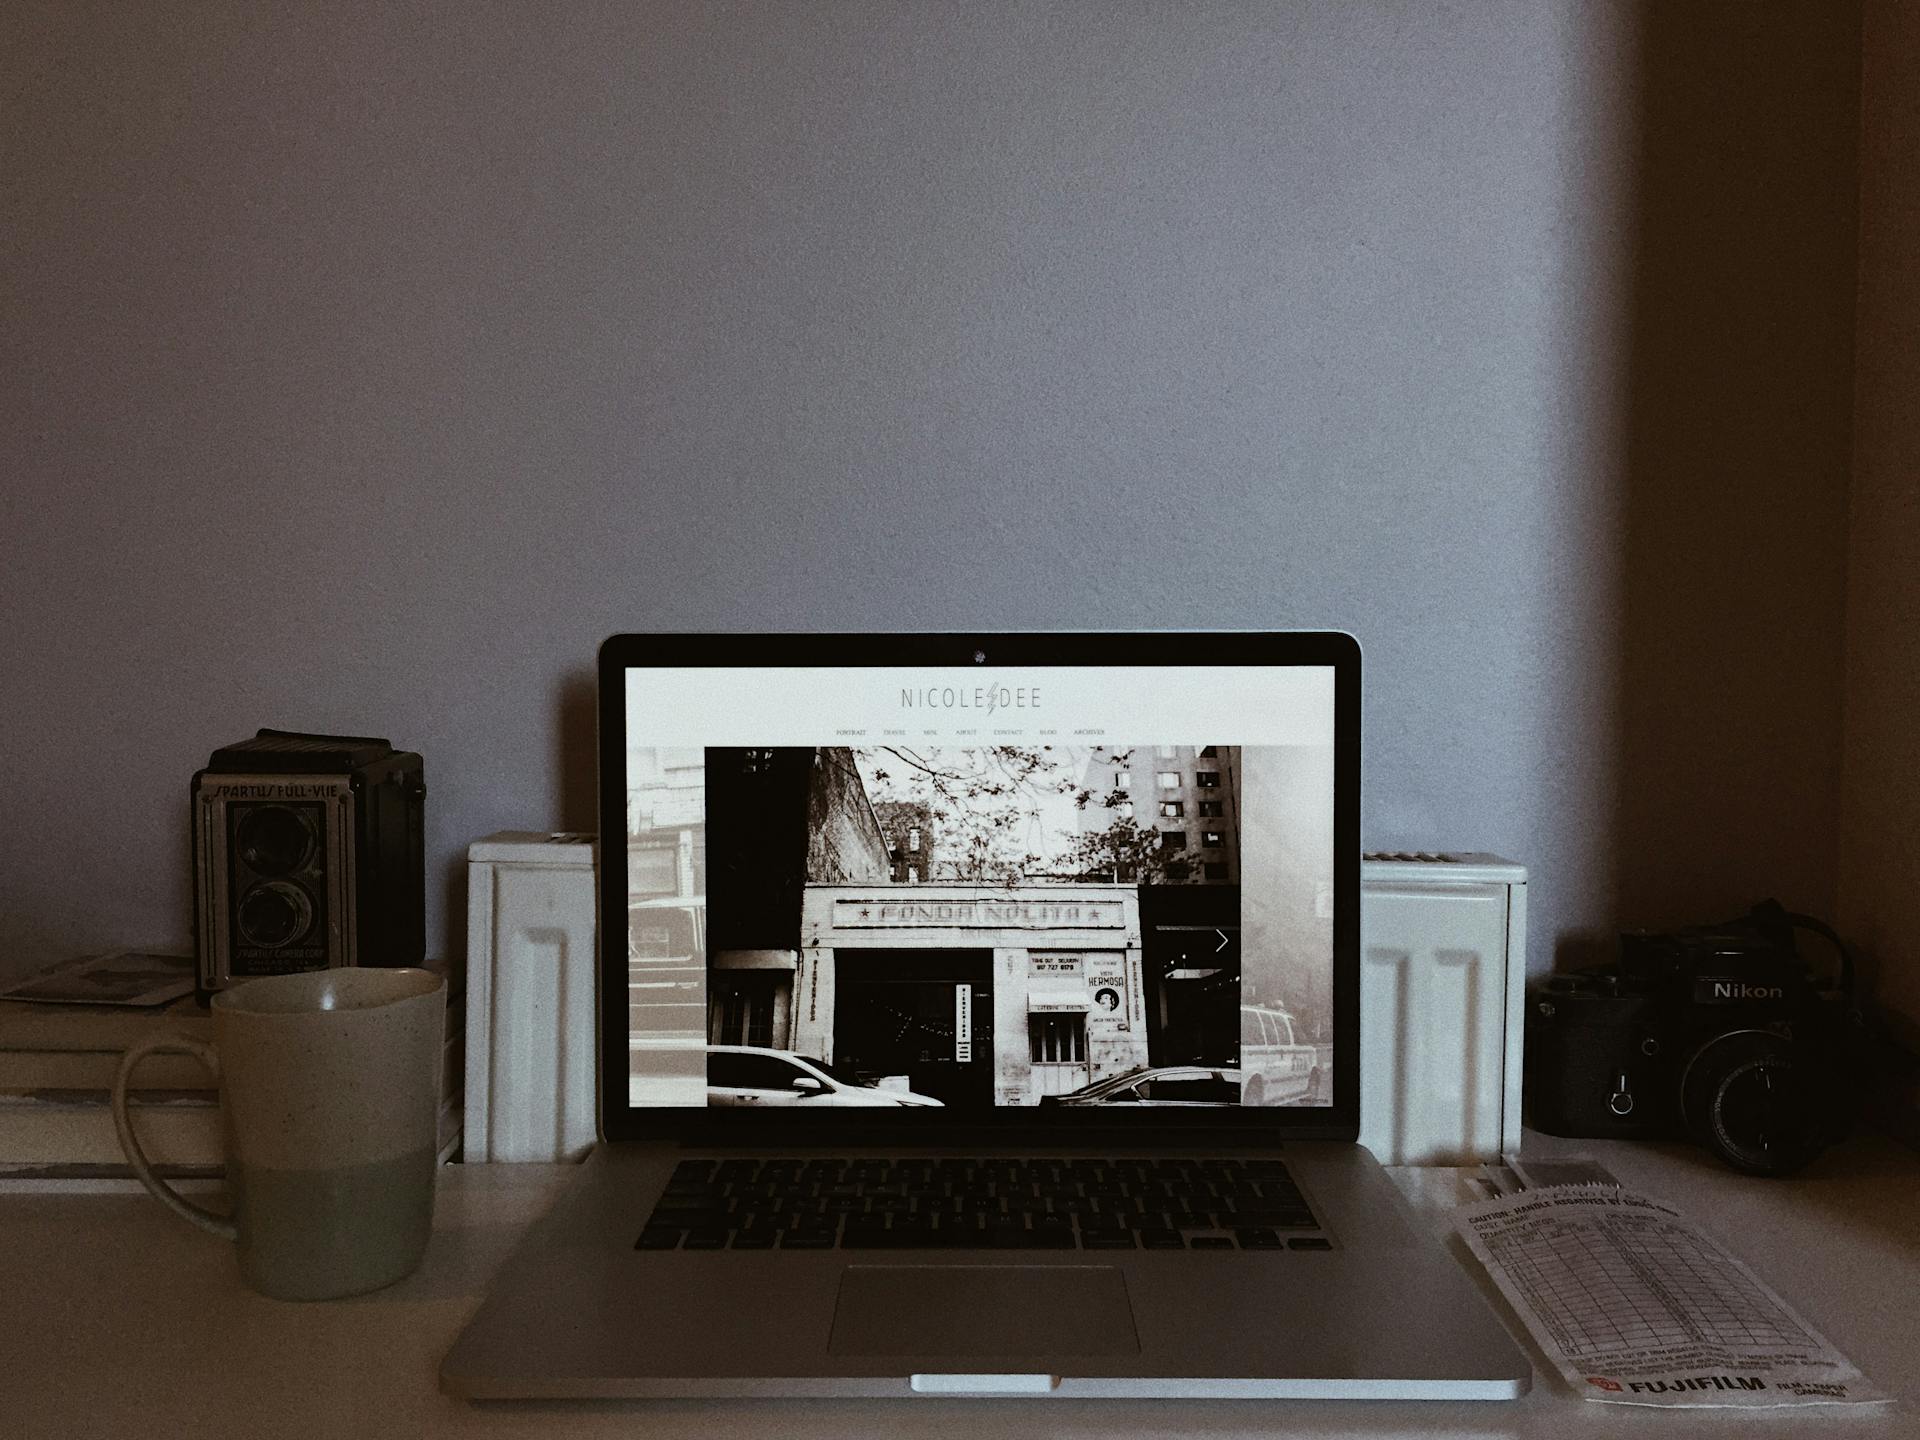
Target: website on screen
{"x": 892, "y": 887}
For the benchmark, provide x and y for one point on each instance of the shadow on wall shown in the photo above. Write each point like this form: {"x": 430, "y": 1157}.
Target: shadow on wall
{"x": 579, "y": 762}
{"x": 1739, "y": 396}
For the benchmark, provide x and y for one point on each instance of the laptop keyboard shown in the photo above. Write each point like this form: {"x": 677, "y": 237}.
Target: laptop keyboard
{"x": 982, "y": 1204}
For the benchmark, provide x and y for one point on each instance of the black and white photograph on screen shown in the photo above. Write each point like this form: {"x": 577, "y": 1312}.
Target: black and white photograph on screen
{"x": 666, "y": 924}
{"x": 980, "y": 925}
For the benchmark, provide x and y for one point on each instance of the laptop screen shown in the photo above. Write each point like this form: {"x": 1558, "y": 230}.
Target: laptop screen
{"x": 898, "y": 888}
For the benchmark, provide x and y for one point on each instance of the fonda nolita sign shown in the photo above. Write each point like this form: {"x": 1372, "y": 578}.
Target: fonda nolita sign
{"x": 980, "y": 914}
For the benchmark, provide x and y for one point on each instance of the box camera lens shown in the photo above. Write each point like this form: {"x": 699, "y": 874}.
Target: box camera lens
{"x": 274, "y": 914}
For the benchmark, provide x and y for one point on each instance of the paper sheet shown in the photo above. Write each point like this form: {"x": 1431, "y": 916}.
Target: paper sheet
{"x": 114, "y": 977}
{"x": 1635, "y": 1306}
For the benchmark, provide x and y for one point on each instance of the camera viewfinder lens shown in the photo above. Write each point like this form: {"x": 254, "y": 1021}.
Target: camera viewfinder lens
{"x": 274, "y": 839}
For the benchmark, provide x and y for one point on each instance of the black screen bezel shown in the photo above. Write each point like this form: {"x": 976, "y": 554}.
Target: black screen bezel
{"x": 1012, "y": 1126}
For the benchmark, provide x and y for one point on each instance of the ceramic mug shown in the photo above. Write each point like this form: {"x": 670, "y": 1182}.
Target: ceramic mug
{"x": 330, "y": 1093}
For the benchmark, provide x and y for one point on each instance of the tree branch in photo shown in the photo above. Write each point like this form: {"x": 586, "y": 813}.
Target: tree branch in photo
{"x": 981, "y": 798}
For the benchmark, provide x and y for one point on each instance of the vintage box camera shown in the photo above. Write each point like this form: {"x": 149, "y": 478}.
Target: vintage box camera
{"x": 1717, "y": 1034}
{"x": 308, "y": 854}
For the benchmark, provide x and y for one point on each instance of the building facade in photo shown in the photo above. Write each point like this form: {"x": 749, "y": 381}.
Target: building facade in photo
{"x": 778, "y": 817}
{"x": 666, "y": 823}
{"x": 908, "y": 826}
{"x": 1189, "y": 795}
{"x": 975, "y": 995}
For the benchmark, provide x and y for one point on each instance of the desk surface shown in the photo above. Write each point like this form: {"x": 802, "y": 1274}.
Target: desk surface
{"x": 116, "y": 1319}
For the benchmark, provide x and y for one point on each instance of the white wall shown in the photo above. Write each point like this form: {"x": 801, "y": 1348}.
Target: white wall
{"x": 365, "y": 366}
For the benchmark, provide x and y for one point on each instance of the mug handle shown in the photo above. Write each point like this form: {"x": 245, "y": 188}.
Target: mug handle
{"x": 208, "y": 1220}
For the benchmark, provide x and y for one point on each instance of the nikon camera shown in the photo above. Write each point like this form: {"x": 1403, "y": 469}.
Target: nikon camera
{"x": 1717, "y": 1034}
{"x": 308, "y": 854}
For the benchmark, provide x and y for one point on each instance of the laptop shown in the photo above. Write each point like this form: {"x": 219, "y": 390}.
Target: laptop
{"x": 979, "y": 1016}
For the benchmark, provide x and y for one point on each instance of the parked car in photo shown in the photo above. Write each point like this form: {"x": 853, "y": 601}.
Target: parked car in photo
{"x": 667, "y": 966}
{"x": 1278, "y": 1070}
{"x": 667, "y": 1000}
{"x": 669, "y": 929}
{"x": 667, "y": 1067}
{"x": 751, "y": 1075}
{"x": 1158, "y": 1085}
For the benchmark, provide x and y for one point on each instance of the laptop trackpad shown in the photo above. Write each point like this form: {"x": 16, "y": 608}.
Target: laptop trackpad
{"x": 983, "y": 1310}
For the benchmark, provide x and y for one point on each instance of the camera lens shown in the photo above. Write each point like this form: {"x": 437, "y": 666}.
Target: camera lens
{"x": 273, "y": 839}
{"x": 274, "y": 914}
{"x": 1752, "y": 1100}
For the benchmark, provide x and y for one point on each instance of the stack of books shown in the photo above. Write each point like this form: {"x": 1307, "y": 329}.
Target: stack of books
{"x": 57, "y": 1064}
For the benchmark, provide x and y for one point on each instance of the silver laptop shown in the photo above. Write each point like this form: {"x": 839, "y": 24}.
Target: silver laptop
{"x": 971, "y": 1026}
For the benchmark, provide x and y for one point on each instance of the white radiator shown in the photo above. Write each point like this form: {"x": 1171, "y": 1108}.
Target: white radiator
{"x": 532, "y": 1045}
{"x": 1442, "y": 982}
{"x": 1443, "y": 974}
